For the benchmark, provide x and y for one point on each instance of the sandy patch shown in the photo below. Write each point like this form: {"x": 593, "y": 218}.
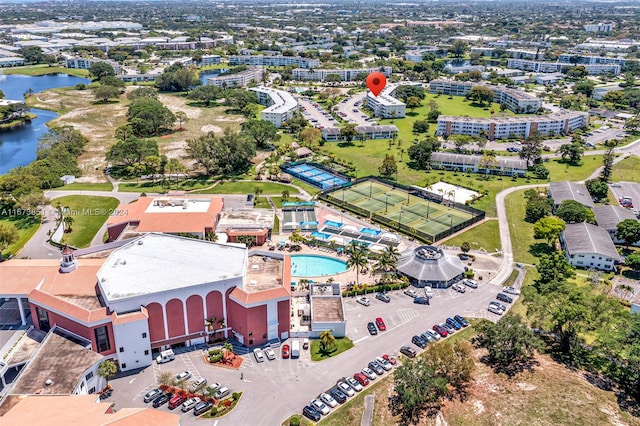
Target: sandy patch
{"x": 478, "y": 407}
{"x": 210, "y": 128}
{"x": 526, "y": 386}
{"x": 176, "y": 104}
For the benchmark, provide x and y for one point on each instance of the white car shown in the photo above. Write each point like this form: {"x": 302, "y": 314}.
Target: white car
{"x": 494, "y": 309}
{"x": 271, "y": 355}
{"x": 470, "y": 283}
{"x": 185, "y": 375}
{"x": 258, "y": 354}
{"x": 328, "y": 399}
{"x": 511, "y": 290}
{"x": 369, "y": 373}
{"x": 354, "y": 384}
{"x": 459, "y": 288}
{"x": 348, "y": 390}
{"x": 428, "y": 291}
{"x": 411, "y": 293}
{"x": 320, "y": 406}
{"x": 189, "y": 404}
{"x": 433, "y": 334}
{"x": 384, "y": 363}
{"x": 363, "y": 301}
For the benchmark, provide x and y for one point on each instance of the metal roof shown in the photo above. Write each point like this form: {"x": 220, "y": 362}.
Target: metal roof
{"x": 561, "y": 191}
{"x": 608, "y": 217}
{"x": 428, "y": 263}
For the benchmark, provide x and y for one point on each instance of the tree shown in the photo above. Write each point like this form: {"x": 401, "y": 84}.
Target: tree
{"x": 572, "y": 211}
{"x": 413, "y": 102}
{"x": 416, "y": 385}
{"x": 262, "y": 132}
{"x": 628, "y": 231}
{"x": 388, "y": 258}
{"x": 296, "y": 123}
{"x": 107, "y": 369}
{"x": 532, "y": 149}
{"x": 540, "y": 171}
{"x": 130, "y": 151}
{"x": 404, "y": 92}
{"x": 597, "y": 189}
{"x": 420, "y": 126}
{"x": 577, "y": 72}
{"x": 615, "y": 97}
{"x": 206, "y": 94}
{"x": 488, "y": 163}
{"x": 99, "y": 70}
{"x": 333, "y": 78}
{"x": 465, "y": 247}
{"x": 584, "y": 87}
{"x": 607, "y": 160}
{"x": 348, "y": 133}
{"x": 458, "y": 47}
{"x": 285, "y": 195}
{"x": 143, "y": 92}
{"x": 388, "y": 167}
{"x": 227, "y": 154}
{"x": 548, "y": 228}
{"x": 165, "y": 378}
{"x": 105, "y": 92}
{"x": 537, "y": 208}
{"x": 112, "y": 81}
{"x": 633, "y": 261}
{"x": 8, "y": 235}
{"x": 182, "y": 117}
{"x": 432, "y": 116}
{"x": 239, "y": 99}
{"x": 327, "y": 341}
{"x": 553, "y": 268}
{"x": 573, "y": 151}
{"x": 310, "y": 136}
{"x": 33, "y": 201}
{"x": 420, "y": 153}
{"x": 453, "y": 362}
{"x": 177, "y": 78}
{"x": 480, "y": 95}
{"x": 510, "y": 342}
{"x": 149, "y": 117}
{"x": 358, "y": 258}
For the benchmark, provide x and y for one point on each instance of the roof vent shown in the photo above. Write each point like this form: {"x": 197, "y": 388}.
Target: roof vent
{"x": 49, "y": 382}
{"x": 140, "y": 242}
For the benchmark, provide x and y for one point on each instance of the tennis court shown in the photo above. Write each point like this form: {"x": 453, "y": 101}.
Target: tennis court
{"x": 401, "y": 208}
{"x": 315, "y": 176}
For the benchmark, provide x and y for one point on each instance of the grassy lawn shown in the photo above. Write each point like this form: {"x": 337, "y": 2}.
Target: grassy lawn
{"x": 276, "y": 225}
{"x": 302, "y": 421}
{"x": 342, "y": 344}
{"x": 560, "y": 171}
{"x": 311, "y": 190}
{"x": 626, "y": 170}
{"x": 27, "y": 225}
{"x": 183, "y": 185}
{"x": 45, "y": 69}
{"x": 102, "y": 186}
{"x": 88, "y": 213}
{"x": 247, "y": 188}
{"x": 486, "y": 235}
{"x": 521, "y": 231}
{"x": 277, "y": 201}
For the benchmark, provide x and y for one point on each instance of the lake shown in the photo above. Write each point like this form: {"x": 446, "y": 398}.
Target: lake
{"x": 18, "y": 146}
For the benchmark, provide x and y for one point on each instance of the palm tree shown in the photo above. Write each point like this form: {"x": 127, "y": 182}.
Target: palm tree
{"x": 285, "y": 195}
{"x": 358, "y": 258}
{"x": 68, "y": 221}
{"x": 107, "y": 369}
{"x": 391, "y": 255}
{"x": 327, "y": 341}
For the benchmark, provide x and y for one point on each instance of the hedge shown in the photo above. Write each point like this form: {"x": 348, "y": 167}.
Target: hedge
{"x": 375, "y": 289}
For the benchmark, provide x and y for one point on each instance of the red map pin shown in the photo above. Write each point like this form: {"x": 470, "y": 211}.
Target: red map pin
{"x": 376, "y": 82}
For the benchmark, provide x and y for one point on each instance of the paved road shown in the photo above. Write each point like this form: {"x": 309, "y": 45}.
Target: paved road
{"x": 352, "y": 112}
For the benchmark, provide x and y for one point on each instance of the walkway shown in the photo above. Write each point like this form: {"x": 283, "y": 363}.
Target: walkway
{"x": 367, "y": 415}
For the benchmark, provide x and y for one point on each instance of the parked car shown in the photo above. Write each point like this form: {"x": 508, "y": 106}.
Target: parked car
{"x": 392, "y": 360}
{"x": 185, "y": 375}
{"x": 221, "y": 392}
{"x": 419, "y": 341}
{"x": 354, "y": 383}
{"x": 450, "y": 329}
{"x": 151, "y": 395}
{"x": 363, "y": 301}
{"x": 202, "y": 407}
{"x": 427, "y": 337}
{"x": 346, "y": 388}
{"x": 384, "y": 363}
{"x": 213, "y": 387}
{"x": 369, "y": 374}
{"x": 162, "y": 399}
{"x": 257, "y": 352}
{"x": 504, "y": 298}
{"x": 383, "y": 297}
{"x": 311, "y": 413}
{"x": 380, "y": 324}
{"x": 470, "y": 283}
{"x": 408, "y": 351}
{"x": 176, "y": 400}
{"x": 197, "y": 384}
{"x": 411, "y": 292}
{"x": 498, "y": 305}
{"x": 511, "y": 290}
{"x": 495, "y": 310}
{"x": 372, "y": 328}
{"x": 435, "y": 334}
{"x": 189, "y": 404}
{"x": 361, "y": 379}
{"x": 463, "y": 322}
{"x": 328, "y": 399}
{"x": 459, "y": 288}
{"x": 338, "y": 395}
{"x": 286, "y": 351}
{"x": 440, "y": 330}
{"x": 377, "y": 368}
{"x": 428, "y": 291}
{"x": 453, "y": 323}
{"x": 270, "y": 354}
{"x": 421, "y": 300}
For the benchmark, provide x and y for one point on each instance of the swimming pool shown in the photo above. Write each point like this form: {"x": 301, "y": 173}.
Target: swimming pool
{"x": 311, "y": 265}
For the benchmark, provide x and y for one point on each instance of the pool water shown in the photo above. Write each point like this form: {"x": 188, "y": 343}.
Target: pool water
{"x": 311, "y": 265}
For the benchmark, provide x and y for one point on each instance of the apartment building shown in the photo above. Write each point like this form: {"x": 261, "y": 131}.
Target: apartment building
{"x": 516, "y": 100}
{"x": 591, "y": 59}
{"x": 332, "y": 134}
{"x": 11, "y": 61}
{"x": 385, "y": 105}
{"x": 435, "y": 24}
{"x": 281, "y": 105}
{"x": 273, "y": 61}
{"x": 560, "y": 123}
{"x": 416, "y": 55}
{"x": 473, "y": 163}
{"x": 589, "y": 246}
{"x": 598, "y": 28}
{"x": 85, "y": 63}
{"x": 539, "y": 66}
{"x": 349, "y": 74}
{"x": 239, "y": 79}
{"x": 512, "y": 53}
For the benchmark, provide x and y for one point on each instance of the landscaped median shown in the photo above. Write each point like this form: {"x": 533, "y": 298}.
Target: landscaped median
{"x": 223, "y": 407}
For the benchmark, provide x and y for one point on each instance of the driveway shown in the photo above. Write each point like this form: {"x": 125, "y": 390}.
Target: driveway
{"x": 352, "y": 113}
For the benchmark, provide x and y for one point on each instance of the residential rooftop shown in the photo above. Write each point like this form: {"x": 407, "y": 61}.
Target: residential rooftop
{"x": 562, "y": 191}
{"x": 584, "y": 238}
{"x": 609, "y": 216}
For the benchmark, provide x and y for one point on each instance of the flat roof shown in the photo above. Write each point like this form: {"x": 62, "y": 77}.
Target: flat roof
{"x": 282, "y": 101}
{"x": 58, "y": 359}
{"x": 327, "y": 309}
{"x": 263, "y": 273}
{"x": 245, "y": 219}
{"x": 162, "y": 262}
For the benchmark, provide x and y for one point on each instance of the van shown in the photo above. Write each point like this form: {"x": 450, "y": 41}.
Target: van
{"x": 221, "y": 393}
{"x": 176, "y": 400}
{"x": 165, "y": 356}
{"x": 295, "y": 348}
{"x": 197, "y": 384}
{"x": 305, "y": 343}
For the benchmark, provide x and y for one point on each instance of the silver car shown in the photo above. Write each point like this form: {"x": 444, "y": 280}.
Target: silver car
{"x": 348, "y": 390}
{"x": 363, "y": 301}
{"x": 258, "y": 354}
{"x": 369, "y": 373}
{"x": 511, "y": 290}
{"x": 354, "y": 384}
{"x": 189, "y": 404}
{"x": 271, "y": 355}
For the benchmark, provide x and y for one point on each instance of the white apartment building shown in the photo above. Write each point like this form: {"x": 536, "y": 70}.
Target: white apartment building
{"x": 349, "y": 74}
{"x": 513, "y": 53}
{"x": 11, "y": 61}
{"x": 85, "y": 63}
{"x": 560, "y": 123}
{"x": 281, "y": 105}
{"x": 239, "y": 79}
{"x": 589, "y": 246}
{"x": 364, "y": 132}
{"x": 416, "y": 55}
{"x": 591, "y": 59}
{"x": 385, "y": 105}
{"x": 273, "y": 61}
{"x": 598, "y": 28}
{"x": 539, "y": 66}
{"x": 516, "y": 100}
{"x": 473, "y": 163}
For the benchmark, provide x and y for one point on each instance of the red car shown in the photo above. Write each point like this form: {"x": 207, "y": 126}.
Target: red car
{"x": 285, "y": 351}
{"x": 361, "y": 378}
{"x": 380, "y": 324}
{"x": 440, "y": 330}
{"x": 392, "y": 360}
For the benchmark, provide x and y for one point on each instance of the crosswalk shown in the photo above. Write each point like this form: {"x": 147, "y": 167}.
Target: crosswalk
{"x": 403, "y": 316}
{"x": 191, "y": 367}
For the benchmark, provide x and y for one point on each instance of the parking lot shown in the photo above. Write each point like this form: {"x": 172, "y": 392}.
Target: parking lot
{"x": 350, "y": 110}
{"x": 627, "y": 189}
{"x": 275, "y": 389}
{"x": 316, "y": 115}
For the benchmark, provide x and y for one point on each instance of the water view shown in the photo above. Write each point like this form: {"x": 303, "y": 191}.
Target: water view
{"x": 18, "y": 146}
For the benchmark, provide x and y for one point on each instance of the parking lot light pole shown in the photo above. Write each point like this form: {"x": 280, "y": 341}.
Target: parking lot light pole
{"x": 451, "y": 224}
{"x": 386, "y": 203}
